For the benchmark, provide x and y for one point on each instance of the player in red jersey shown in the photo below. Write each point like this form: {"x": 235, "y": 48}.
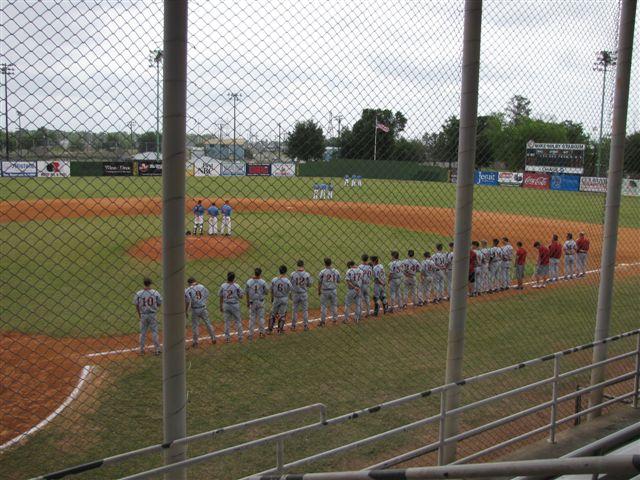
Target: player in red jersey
{"x": 555, "y": 252}
{"x": 583, "y": 251}
{"x": 521, "y": 259}
{"x": 542, "y": 267}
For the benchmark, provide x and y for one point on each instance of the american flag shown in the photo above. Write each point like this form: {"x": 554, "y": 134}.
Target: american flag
{"x": 382, "y": 126}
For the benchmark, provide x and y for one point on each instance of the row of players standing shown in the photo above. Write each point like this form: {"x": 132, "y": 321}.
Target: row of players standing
{"x": 353, "y": 180}
{"x": 213, "y": 212}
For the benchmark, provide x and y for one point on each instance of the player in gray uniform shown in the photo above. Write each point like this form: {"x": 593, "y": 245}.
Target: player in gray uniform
{"x": 440, "y": 261}
{"x": 280, "y": 290}
{"x": 395, "y": 281}
{"x": 256, "y": 293}
{"x": 196, "y": 296}
{"x": 477, "y": 285}
{"x": 427, "y": 270}
{"x": 411, "y": 269}
{"x": 301, "y": 282}
{"x": 147, "y": 302}
{"x": 449, "y": 270}
{"x": 367, "y": 273}
{"x": 230, "y": 294}
{"x": 328, "y": 280}
{"x": 379, "y": 286}
{"x": 495, "y": 262}
{"x": 570, "y": 248}
{"x": 483, "y": 279}
{"x": 353, "y": 279}
{"x": 507, "y": 259}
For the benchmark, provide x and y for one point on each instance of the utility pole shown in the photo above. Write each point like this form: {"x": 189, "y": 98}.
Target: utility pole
{"x": 7, "y": 69}
{"x": 604, "y": 60}
{"x": 155, "y": 59}
{"x": 19, "y": 134}
{"x": 234, "y": 97}
{"x": 132, "y": 124}
{"x": 279, "y": 142}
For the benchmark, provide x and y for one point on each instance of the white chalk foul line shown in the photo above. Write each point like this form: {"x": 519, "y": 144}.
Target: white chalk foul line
{"x": 86, "y": 370}
{"x": 311, "y": 320}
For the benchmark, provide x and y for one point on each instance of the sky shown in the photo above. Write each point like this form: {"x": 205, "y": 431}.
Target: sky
{"x": 83, "y": 65}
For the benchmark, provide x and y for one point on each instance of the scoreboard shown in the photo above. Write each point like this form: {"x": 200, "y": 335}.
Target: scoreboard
{"x": 555, "y": 157}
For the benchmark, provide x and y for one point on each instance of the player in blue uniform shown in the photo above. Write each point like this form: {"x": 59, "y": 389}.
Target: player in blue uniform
{"x": 213, "y": 212}
{"x": 226, "y": 218}
{"x": 198, "y": 218}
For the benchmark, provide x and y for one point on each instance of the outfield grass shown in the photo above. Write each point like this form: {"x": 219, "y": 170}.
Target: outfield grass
{"x": 587, "y": 207}
{"x": 81, "y": 280}
{"x": 346, "y": 368}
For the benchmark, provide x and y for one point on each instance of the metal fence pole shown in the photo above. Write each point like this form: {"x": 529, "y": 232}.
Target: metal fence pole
{"x": 173, "y": 241}
{"x": 441, "y": 429}
{"x": 464, "y": 211}
{"x": 614, "y": 185}
{"x": 554, "y": 399}
{"x": 636, "y": 382}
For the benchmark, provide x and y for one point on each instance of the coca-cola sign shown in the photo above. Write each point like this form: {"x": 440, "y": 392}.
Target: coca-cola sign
{"x": 539, "y": 181}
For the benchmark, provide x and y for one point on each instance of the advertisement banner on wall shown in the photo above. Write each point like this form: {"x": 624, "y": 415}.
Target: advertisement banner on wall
{"x": 206, "y": 167}
{"x": 631, "y": 187}
{"x": 258, "y": 170}
{"x": 232, "y": 169}
{"x": 593, "y": 184}
{"x": 149, "y": 169}
{"x": 539, "y": 181}
{"x": 117, "y": 169}
{"x": 569, "y": 183}
{"x": 19, "y": 169}
{"x": 55, "y": 168}
{"x": 485, "y": 178}
{"x": 283, "y": 169}
{"x": 513, "y": 179}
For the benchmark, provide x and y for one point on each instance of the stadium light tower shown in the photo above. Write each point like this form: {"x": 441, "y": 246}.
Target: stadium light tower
{"x": 155, "y": 60}
{"x": 7, "y": 69}
{"x": 235, "y": 97}
{"x": 604, "y": 60}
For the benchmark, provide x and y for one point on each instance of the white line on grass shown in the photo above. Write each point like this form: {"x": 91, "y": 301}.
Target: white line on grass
{"x": 86, "y": 370}
{"x": 313, "y": 320}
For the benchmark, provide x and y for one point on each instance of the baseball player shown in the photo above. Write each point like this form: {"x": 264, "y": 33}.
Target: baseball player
{"x": 359, "y": 180}
{"x": 484, "y": 269}
{"x": 411, "y": 267}
{"x": 427, "y": 271}
{"x": 542, "y": 267}
{"x": 477, "y": 269}
{"x": 473, "y": 259}
{"x": 396, "y": 272}
{"x": 449, "y": 270}
{"x": 213, "y": 219}
{"x": 583, "y": 250}
{"x": 367, "y": 273}
{"x": 301, "y": 282}
{"x": 555, "y": 252}
{"x": 280, "y": 290}
{"x": 328, "y": 280}
{"x": 353, "y": 279}
{"x": 354, "y": 180}
{"x": 330, "y": 191}
{"x": 507, "y": 258}
{"x": 196, "y": 296}
{"x": 316, "y": 191}
{"x": 379, "y": 286}
{"x": 198, "y": 218}
{"x": 495, "y": 262}
{"x": 346, "y": 180}
{"x": 256, "y": 292}
{"x": 521, "y": 260}
{"x": 569, "y": 249}
{"x": 230, "y": 294}
{"x": 226, "y": 218}
{"x": 147, "y": 302}
{"x": 440, "y": 261}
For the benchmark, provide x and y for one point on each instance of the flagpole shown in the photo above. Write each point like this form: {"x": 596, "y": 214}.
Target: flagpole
{"x": 375, "y": 137}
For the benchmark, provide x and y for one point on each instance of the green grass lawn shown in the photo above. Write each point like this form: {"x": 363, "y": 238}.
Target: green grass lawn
{"x": 346, "y": 368}
{"x": 81, "y": 280}
{"x": 587, "y": 207}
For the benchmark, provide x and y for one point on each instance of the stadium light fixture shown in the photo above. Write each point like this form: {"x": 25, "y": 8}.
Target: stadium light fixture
{"x": 8, "y": 70}
{"x": 235, "y": 97}
{"x": 604, "y": 60}
{"x": 155, "y": 60}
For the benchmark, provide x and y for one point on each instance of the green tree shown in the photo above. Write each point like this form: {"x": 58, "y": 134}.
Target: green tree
{"x": 358, "y": 142}
{"x": 409, "y": 150}
{"x": 147, "y": 142}
{"x": 306, "y": 142}
{"x": 518, "y": 109}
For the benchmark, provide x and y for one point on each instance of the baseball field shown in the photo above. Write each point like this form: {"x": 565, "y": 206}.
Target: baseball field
{"x": 75, "y": 250}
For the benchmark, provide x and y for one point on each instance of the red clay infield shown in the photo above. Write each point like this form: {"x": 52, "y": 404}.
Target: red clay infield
{"x": 38, "y": 372}
{"x": 215, "y": 246}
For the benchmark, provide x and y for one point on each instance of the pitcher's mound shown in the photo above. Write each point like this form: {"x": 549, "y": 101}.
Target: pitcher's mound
{"x": 197, "y": 247}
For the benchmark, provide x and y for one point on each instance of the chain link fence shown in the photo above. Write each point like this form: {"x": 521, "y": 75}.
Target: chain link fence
{"x": 315, "y": 131}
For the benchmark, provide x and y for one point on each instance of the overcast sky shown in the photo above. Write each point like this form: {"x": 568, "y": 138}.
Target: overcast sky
{"x": 83, "y": 65}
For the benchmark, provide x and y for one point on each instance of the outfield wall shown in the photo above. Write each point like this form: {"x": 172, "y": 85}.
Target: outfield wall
{"x": 378, "y": 169}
